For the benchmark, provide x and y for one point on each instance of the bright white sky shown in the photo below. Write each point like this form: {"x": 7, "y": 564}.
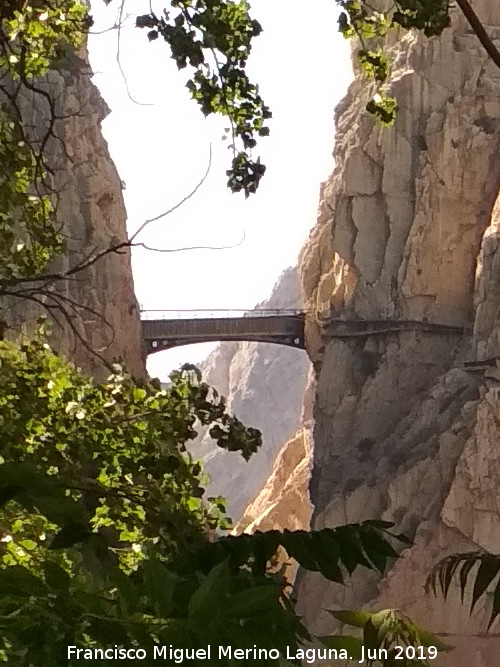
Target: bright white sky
{"x": 161, "y": 151}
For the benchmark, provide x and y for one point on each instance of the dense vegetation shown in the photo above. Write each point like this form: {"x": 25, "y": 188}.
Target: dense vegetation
{"x": 106, "y": 536}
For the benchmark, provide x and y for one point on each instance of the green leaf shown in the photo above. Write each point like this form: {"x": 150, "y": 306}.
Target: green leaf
{"x": 252, "y": 600}
{"x": 379, "y": 523}
{"x": 355, "y": 618}
{"x": 495, "y": 609}
{"x": 426, "y": 638}
{"x": 8, "y": 492}
{"x": 59, "y": 509}
{"x": 371, "y": 638}
{"x": 446, "y": 574}
{"x": 488, "y": 570}
{"x": 210, "y": 590}
{"x": 73, "y": 533}
{"x": 127, "y": 591}
{"x": 299, "y": 545}
{"x": 351, "y": 551}
{"x": 160, "y": 586}
{"x": 55, "y": 576}
{"x": 327, "y": 552}
{"x": 18, "y": 580}
{"x": 469, "y": 563}
{"x": 108, "y": 631}
{"x": 377, "y": 548}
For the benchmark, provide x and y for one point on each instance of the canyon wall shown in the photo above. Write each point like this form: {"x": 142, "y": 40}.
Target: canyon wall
{"x": 408, "y": 237}
{"x": 102, "y": 314}
{"x": 264, "y": 385}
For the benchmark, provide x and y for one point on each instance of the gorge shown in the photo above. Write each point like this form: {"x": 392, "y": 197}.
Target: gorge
{"x": 398, "y": 421}
{"x": 407, "y": 230}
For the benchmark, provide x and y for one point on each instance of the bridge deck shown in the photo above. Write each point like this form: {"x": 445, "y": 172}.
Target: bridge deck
{"x": 164, "y": 334}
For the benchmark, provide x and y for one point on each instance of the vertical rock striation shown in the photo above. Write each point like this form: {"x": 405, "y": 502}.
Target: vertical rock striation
{"x": 91, "y": 212}
{"x": 407, "y": 230}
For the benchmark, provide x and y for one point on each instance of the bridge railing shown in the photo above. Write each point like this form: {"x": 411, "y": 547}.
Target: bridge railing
{"x": 209, "y": 313}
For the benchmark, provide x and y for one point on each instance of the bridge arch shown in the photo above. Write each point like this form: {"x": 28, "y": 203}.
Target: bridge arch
{"x": 284, "y": 327}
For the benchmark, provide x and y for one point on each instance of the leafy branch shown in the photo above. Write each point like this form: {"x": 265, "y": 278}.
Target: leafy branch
{"x": 214, "y": 40}
{"x": 483, "y": 565}
{"x": 370, "y": 26}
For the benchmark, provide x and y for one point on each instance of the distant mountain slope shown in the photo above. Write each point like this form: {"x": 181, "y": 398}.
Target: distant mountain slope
{"x": 264, "y": 384}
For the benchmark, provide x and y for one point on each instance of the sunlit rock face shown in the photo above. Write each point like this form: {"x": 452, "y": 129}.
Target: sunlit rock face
{"x": 408, "y": 229}
{"x": 283, "y": 501}
{"x": 264, "y": 385}
{"x": 99, "y": 301}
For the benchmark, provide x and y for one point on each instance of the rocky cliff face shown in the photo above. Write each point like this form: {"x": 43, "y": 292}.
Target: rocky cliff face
{"x": 408, "y": 231}
{"x": 283, "y": 501}
{"x": 99, "y": 300}
{"x": 264, "y": 385}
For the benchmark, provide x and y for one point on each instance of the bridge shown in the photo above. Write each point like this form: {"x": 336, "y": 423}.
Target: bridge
{"x": 164, "y": 329}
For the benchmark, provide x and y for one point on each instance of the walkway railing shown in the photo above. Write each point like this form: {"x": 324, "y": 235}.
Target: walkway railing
{"x": 203, "y": 313}
{"x": 163, "y": 329}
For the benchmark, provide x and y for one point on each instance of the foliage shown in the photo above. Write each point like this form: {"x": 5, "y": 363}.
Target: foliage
{"x": 104, "y": 525}
{"x": 103, "y": 441}
{"x": 34, "y": 34}
{"x": 211, "y": 37}
{"x": 105, "y": 534}
{"x": 483, "y": 565}
{"x": 95, "y": 479}
{"x": 33, "y": 37}
{"x": 334, "y": 552}
{"x": 359, "y": 19}
{"x": 208, "y": 597}
{"x": 214, "y": 39}
{"x": 28, "y": 236}
{"x": 388, "y": 634}
{"x": 42, "y": 614}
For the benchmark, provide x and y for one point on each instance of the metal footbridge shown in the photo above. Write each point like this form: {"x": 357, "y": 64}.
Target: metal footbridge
{"x": 165, "y": 329}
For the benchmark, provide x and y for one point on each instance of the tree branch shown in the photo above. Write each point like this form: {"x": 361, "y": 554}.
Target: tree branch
{"x": 479, "y": 31}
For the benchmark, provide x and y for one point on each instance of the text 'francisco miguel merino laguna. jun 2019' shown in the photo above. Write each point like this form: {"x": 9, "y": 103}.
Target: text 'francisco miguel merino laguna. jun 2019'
{"x": 308, "y": 655}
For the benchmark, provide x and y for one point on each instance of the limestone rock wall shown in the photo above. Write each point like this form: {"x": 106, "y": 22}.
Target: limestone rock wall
{"x": 101, "y": 303}
{"x": 264, "y": 385}
{"x": 407, "y": 230}
{"x": 283, "y": 500}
